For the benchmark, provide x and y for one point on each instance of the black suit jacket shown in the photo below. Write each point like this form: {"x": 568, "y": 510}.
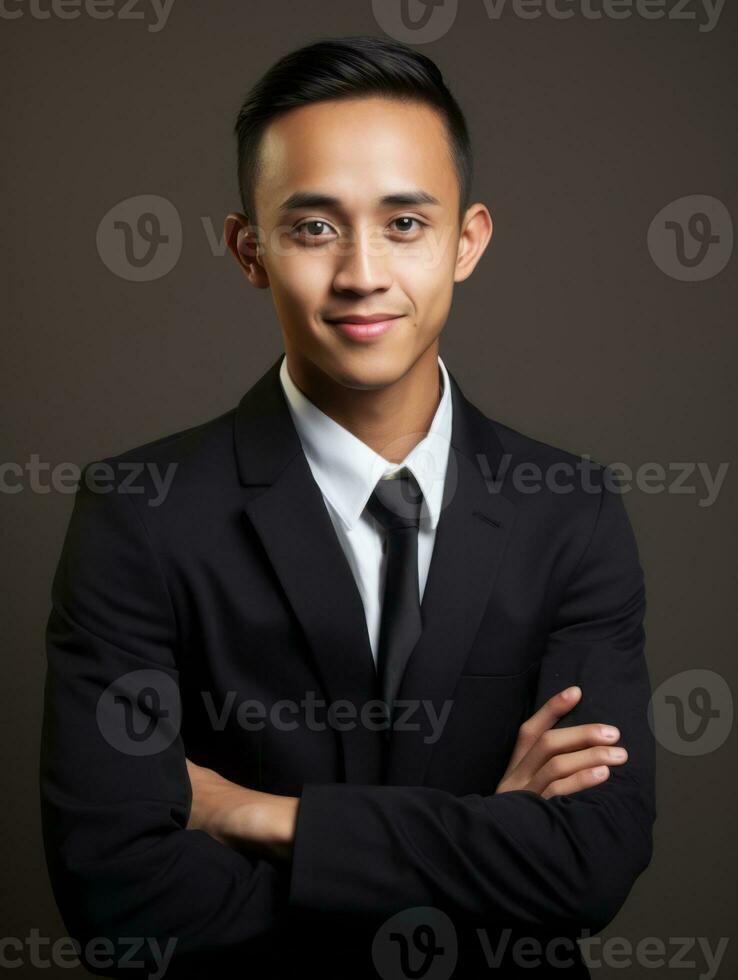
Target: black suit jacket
{"x": 166, "y": 619}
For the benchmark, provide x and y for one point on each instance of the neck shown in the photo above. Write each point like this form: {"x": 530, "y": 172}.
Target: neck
{"x": 391, "y": 419}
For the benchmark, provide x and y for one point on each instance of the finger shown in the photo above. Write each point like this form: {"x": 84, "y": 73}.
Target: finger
{"x": 546, "y": 717}
{"x": 579, "y": 781}
{"x": 559, "y": 741}
{"x": 563, "y": 766}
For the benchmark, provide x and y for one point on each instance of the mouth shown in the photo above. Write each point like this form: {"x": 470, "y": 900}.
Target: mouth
{"x": 364, "y": 327}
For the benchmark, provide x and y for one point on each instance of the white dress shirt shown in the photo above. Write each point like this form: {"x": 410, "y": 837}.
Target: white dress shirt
{"x": 347, "y": 470}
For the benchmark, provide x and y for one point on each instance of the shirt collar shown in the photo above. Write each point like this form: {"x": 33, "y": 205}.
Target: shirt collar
{"x": 347, "y": 470}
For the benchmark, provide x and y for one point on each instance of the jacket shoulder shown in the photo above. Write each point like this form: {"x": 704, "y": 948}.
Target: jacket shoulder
{"x": 556, "y": 484}
{"x": 190, "y": 461}
{"x": 523, "y": 447}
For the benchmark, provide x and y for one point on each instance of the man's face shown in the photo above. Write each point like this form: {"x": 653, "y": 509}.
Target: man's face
{"x": 359, "y": 253}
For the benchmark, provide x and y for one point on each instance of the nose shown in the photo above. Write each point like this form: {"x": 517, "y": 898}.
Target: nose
{"x": 364, "y": 265}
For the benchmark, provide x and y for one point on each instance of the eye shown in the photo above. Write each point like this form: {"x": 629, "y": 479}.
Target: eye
{"x": 408, "y": 218}
{"x": 314, "y": 224}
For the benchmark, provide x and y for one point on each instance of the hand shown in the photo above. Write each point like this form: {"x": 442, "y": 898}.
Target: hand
{"x": 558, "y": 762}
{"x": 241, "y": 818}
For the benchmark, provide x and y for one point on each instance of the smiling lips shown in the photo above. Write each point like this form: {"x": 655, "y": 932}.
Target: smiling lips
{"x": 365, "y": 327}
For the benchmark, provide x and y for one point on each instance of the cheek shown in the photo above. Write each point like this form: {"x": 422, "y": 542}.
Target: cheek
{"x": 430, "y": 288}
{"x": 439, "y": 252}
{"x": 298, "y": 282}
{"x": 429, "y": 263}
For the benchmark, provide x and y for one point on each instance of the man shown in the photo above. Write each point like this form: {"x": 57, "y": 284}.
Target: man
{"x": 345, "y": 699}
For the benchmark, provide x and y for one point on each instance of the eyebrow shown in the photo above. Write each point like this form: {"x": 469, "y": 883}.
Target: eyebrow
{"x": 309, "y": 199}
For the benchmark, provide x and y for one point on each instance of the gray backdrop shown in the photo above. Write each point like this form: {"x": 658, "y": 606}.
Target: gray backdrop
{"x": 585, "y": 128}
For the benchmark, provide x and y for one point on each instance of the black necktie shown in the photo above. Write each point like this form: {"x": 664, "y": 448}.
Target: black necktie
{"x": 396, "y": 504}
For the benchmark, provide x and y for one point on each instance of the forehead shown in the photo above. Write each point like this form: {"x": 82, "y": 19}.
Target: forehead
{"x": 356, "y": 150}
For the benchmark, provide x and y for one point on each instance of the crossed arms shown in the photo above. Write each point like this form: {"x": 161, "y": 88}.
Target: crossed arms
{"x": 124, "y": 834}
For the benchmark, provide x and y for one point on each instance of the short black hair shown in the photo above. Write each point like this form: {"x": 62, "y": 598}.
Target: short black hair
{"x": 347, "y": 67}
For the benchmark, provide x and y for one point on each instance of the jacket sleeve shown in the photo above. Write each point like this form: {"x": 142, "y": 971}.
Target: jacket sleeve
{"x": 115, "y": 792}
{"x": 513, "y": 858}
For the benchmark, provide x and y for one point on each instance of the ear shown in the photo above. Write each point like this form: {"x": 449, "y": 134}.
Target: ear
{"x": 243, "y": 242}
{"x": 476, "y": 232}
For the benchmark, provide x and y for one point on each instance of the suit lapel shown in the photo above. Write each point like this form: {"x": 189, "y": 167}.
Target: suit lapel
{"x": 285, "y": 507}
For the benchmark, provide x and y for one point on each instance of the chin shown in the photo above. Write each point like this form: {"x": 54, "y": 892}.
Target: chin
{"x": 367, "y": 369}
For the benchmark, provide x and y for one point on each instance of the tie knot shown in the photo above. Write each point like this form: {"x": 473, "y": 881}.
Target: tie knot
{"x": 396, "y": 503}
